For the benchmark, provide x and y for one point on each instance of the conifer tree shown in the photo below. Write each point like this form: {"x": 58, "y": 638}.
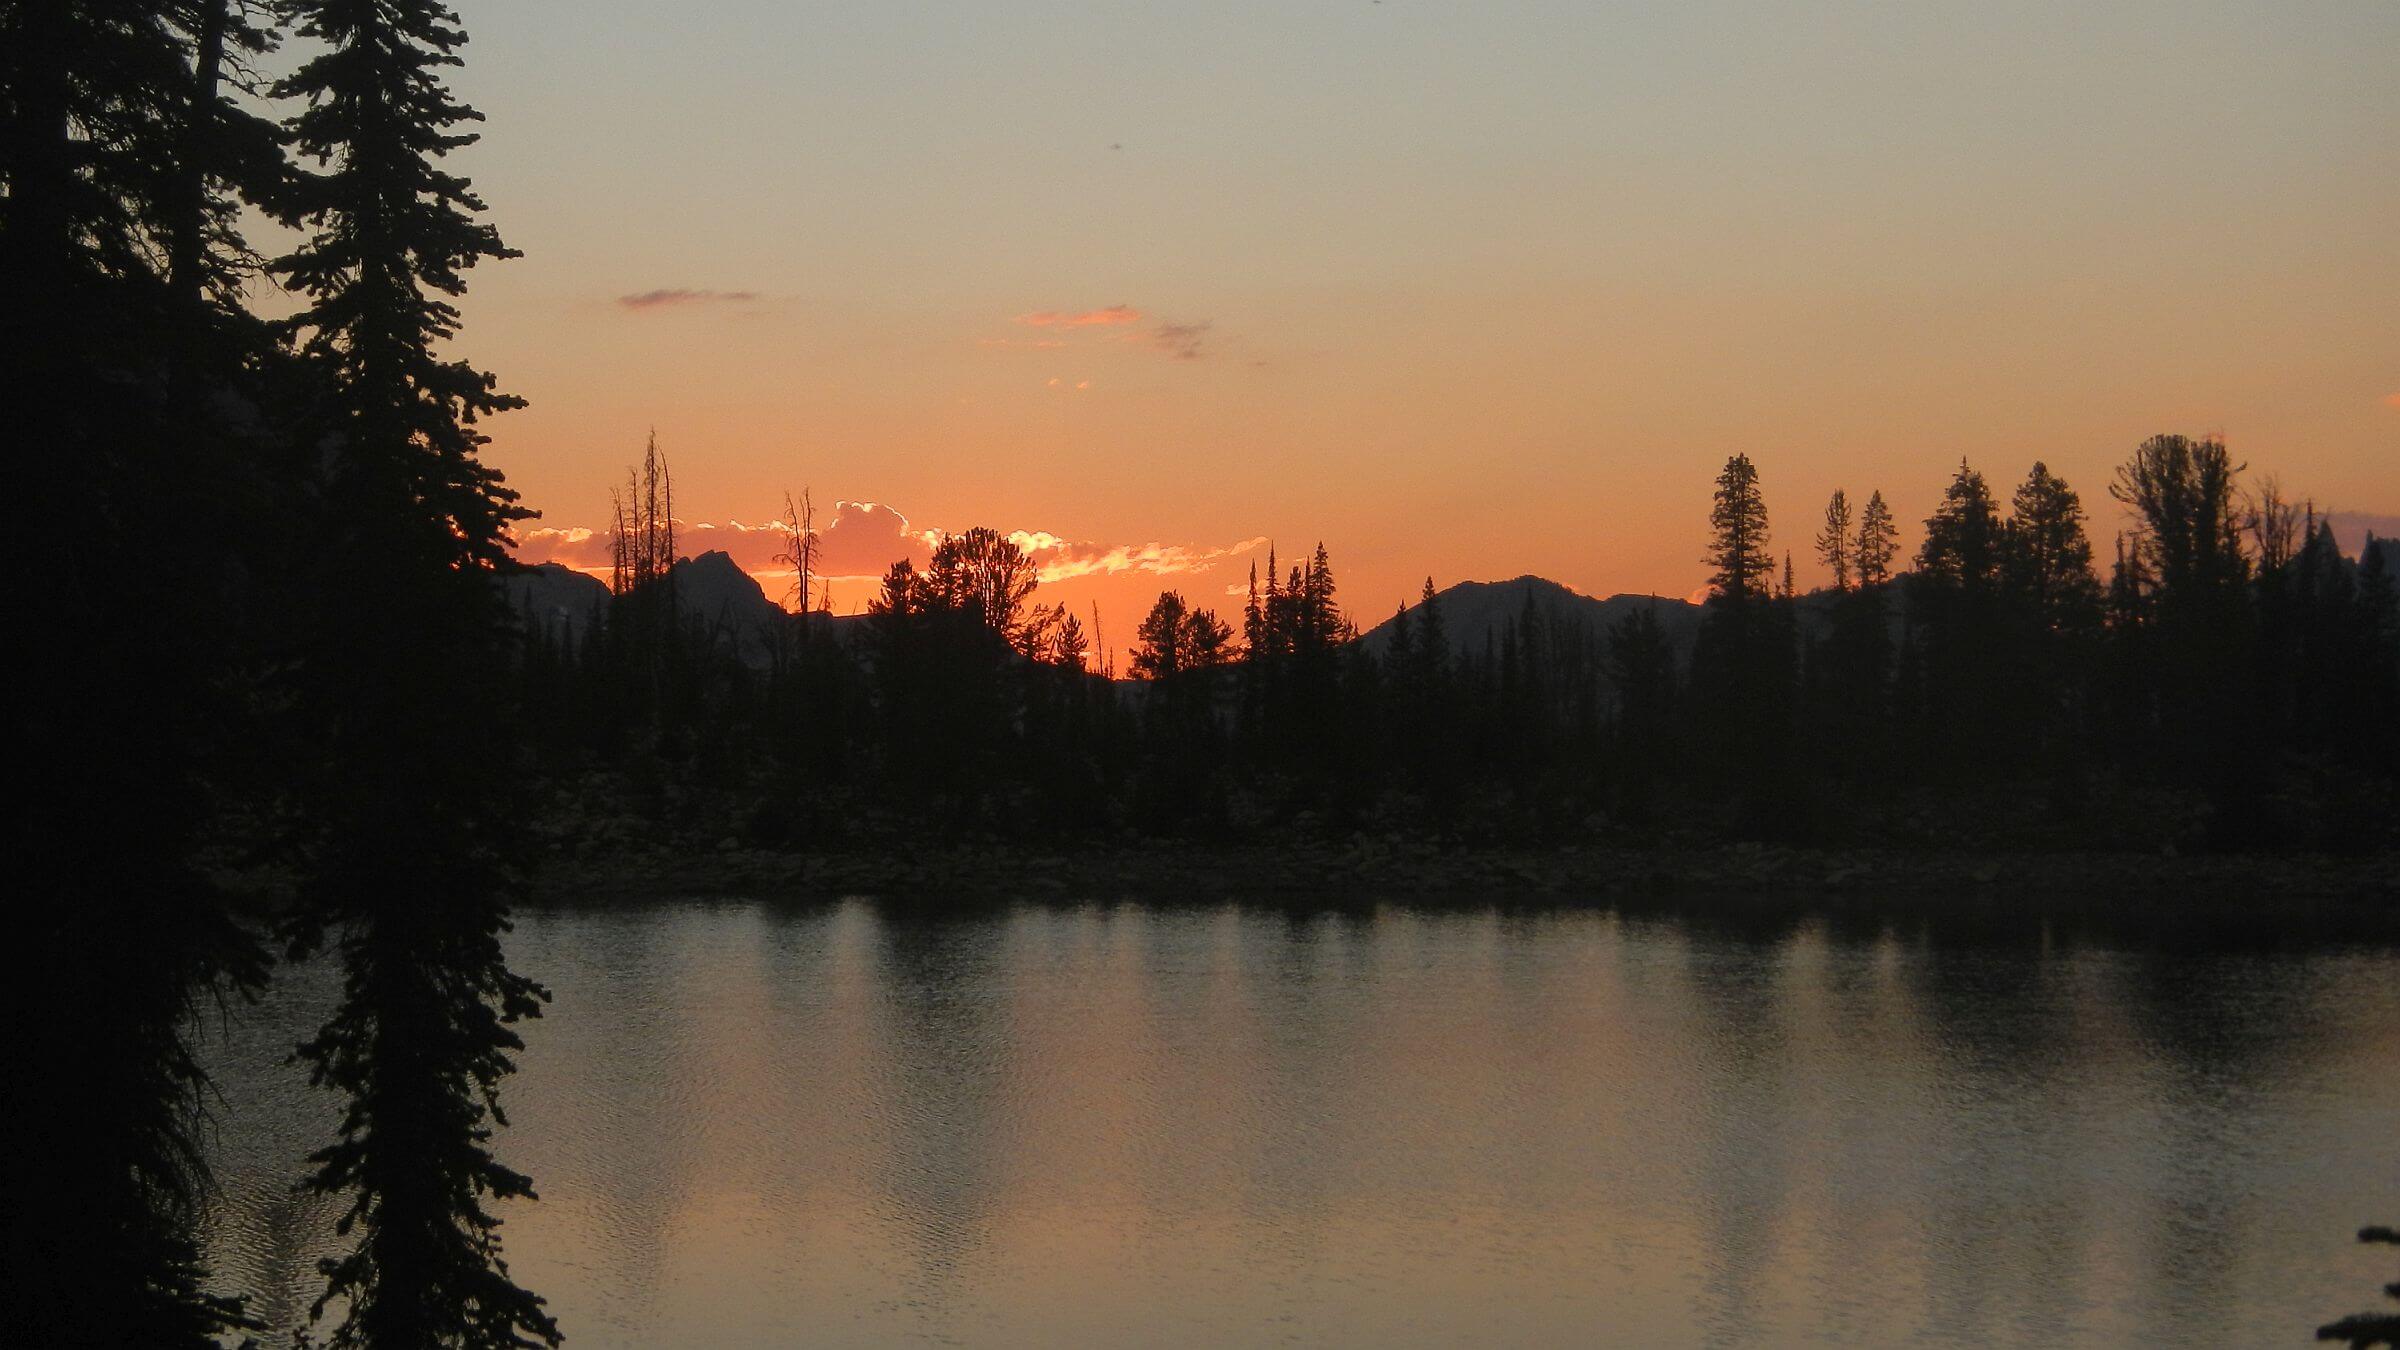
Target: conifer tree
{"x": 1878, "y": 542}
{"x": 1963, "y": 545}
{"x": 2360, "y": 1331}
{"x": 105, "y": 185}
{"x": 2049, "y": 560}
{"x": 1738, "y": 560}
{"x": 1744, "y": 658}
{"x": 413, "y": 856}
{"x": 1835, "y": 547}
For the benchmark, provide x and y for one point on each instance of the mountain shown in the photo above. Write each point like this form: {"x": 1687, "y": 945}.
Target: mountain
{"x": 1476, "y": 613}
{"x": 712, "y": 593}
{"x": 555, "y": 598}
{"x": 726, "y": 602}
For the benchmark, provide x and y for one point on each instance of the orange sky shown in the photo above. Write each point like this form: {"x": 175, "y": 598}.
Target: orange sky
{"x": 1464, "y": 292}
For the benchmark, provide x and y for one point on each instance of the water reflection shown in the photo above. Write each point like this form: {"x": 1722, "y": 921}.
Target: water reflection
{"x": 1039, "y": 1125}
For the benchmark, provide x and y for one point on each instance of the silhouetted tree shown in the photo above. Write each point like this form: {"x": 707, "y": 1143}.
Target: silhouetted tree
{"x": 2048, "y": 558}
{"x": 1835, "y": 546}
{"x": 1878, "y": 542}
{"x": 1744, "y": 661}
{"x": 127, "y": 360}
{"x": 411, "y": 866}
{"x": 2362, "y": 1330}
{"x": 2193, "y": 578}
{"x": 1966, "y": 690}
{"x": 1737, "y": 558}
{"x": 1174, "y": 638}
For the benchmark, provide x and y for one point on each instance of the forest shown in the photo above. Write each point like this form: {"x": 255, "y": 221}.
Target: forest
{"x": 276, "y": 705}
{"x": 2231, "y": 683}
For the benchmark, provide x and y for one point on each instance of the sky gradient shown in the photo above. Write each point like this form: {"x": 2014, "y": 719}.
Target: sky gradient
{"x": 1467, "y": 291}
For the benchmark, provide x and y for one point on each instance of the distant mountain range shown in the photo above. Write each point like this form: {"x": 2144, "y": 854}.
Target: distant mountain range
{"x": 729, "y": 602}
{"x": 711, "y": 590}
{"x": 1476, "y": 613}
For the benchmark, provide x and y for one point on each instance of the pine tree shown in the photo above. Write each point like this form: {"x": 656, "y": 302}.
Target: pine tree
{"x": 2360, "y": 1331}
{"x": 1835, "y": 547}
{"x": 116, "y": 203}
{"x": 413, "y": 856}
{"x": 1739, "y": 564}
{"x": 1878, "y": 542}
{"x": 1744, "y": 659}
{"x": 1963, "y": 546}
{"x": 2049, "y": 560}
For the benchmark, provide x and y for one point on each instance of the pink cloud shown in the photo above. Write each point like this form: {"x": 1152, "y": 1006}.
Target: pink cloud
{"x": 1090, "y": 318}
{"x": 1060, "y": 560}
{"x": 863, "y": 539}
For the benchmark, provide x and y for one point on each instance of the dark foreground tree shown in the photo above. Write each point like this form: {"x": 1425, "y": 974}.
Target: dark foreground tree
{"x": 111, "y": 198}
{"x": 1743, "y": 662}
{"x": 410, "y": 863}
{"x": 2361, "y": 1330}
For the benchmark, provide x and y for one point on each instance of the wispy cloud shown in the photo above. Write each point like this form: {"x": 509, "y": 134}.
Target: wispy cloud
{"x": 1179, "y": 340}
{"x": 1089, "y": 318}
{"x": 1059, "y": 560}
{"x": 663, "y": 299}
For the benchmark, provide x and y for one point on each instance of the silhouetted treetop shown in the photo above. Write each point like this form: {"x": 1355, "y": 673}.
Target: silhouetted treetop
{"x": 1739, "y": 564}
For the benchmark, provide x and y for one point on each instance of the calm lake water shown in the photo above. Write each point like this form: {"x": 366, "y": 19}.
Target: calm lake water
{"x": 858, "y": 1125}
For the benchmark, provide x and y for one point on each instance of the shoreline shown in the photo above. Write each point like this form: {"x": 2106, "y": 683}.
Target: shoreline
{"x": 1369, "y": 869}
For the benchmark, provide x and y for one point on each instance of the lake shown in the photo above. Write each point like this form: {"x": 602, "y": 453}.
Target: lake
{"x": 863, "y": 1124}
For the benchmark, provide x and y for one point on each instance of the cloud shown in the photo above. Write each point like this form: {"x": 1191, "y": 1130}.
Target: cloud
{"x": 1179, "y": 342}
{"x": 582, "y": 549}
{"x": 863, "y": 539}
{"x": 1090, "y": 318}
{"x": 2392, "y": 401}
{"x": 662, "y": 299}
{"x": 1038, "y": 344}
{"x": 1059, "y": 560}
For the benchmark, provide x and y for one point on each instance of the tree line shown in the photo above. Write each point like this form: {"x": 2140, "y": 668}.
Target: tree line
{"x": 2233, "y": 681}
{"x": 258, "y": 634}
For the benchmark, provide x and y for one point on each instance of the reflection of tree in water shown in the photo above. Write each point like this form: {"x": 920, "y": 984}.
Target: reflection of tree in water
{"x": 1743, "y": 1129}
{"x": 291, "y": 1230}
{"x": 1307, "y": 990}
{"x": 2005, "y": 1211}
{"x": 607, "y": 1045}
{"x": 946, "y": 1059}
{"x": 2230, "y": 1034}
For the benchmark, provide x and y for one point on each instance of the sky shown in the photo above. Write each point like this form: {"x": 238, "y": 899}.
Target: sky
{"x": 1462, "y": 291}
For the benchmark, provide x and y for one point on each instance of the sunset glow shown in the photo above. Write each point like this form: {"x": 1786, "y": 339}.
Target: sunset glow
{"x": 1459, "y": 297}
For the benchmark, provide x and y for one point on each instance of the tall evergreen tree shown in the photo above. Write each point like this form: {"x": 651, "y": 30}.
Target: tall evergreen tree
{"x": 1878, "y": 542}
{"x": 112, "y": 371}
{"x": 2049, "y": 560}
{"x": 1744, "y": 661}
{"x": 411, "y": 867}
{"x": 1739, "y": 564}
{"x": 2194, "y": 581}
{"x": 1835, "y": 547}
